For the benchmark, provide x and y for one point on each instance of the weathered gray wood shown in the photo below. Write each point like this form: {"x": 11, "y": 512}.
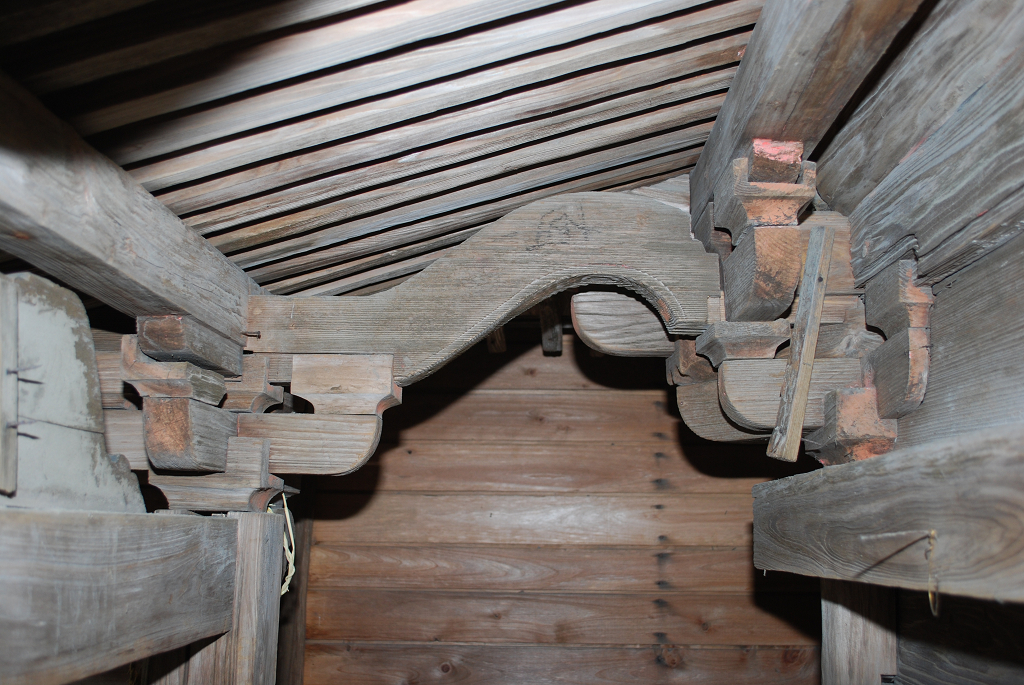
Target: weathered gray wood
{"x": 245, "y": 485}
{"x": 540, "y": 249}
{"x": 253, "y": 392}
{"x": 62, "y": 462}
{"x": 939, "y": 516}
{"x": 974, "y": 380}
{"x": 70, "y": 211}
{"x": 185, "y": 339}
{"x": 257, "y": 597}
{"x": 858, "y": 633}
{"x": 124, "y": 434}
{"x": 968, "y": 166}
{"x": 725, "y": 340}
{"x": 151, "y": 378}
{"x": 619, "y": 324}
{"x": 84, "y": 592}
{"x": 741, "y": 203}
{"x": 314, "y": 443}
{"x": 778, "y": 97}
{"x": 900, "y": 372}
{"x": 550, "y": 328}
{"x": 186, "y": 435}
{"x": 751, "y": 389}
{"x": 918, "y": 93}
{"x": 323, "y": 95}
{"x": 893, "y": 302}
{"x": 701, "y": 412}
{"x": 796, "y": 388}
{"x": 346, "y": 383}
{"x": 761, "y": 274}
{"x": 8, "y": 385}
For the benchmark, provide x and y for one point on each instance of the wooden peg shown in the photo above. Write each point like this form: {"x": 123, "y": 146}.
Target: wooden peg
{"x": 785, "y": 442}
{"x": 550, "y": 329}
{"x": 346, "y": 383}
{"x": 151, "y": 378}
{"x": 899, "y": 371}
{"x": 853, "y": 430}
{"x": 183, "y": 339}
{"x": 742, "y": 340}
{"x": 253, "y": 392}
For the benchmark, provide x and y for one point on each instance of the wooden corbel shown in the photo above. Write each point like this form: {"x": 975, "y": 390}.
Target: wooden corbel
{"x": 152, "y": 378}
{"x": 900, "y": 309}
{"x": 726, "y": 340}
{"x": 507, "y": 267}
{"x": 852, "y": 429}
{"x": 245, "y": 485}
{"x": 346, "y": 383}
{"x": 741, "y": 203}
{"x": 183, "y": 339}
{"x": 253, "y": 392}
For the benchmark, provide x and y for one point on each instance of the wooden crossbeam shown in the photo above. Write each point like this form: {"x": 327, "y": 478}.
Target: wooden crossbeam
{"x": 779, "y": 97}
{"x": 940, "y": 516}
{"x": 73, "y": 213}
{"x": 538, "y": 250}
{"x": 85, "y": 592}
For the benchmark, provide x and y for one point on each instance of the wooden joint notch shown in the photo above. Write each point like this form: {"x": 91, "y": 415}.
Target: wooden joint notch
{"x": 152, "y": 378}
{"x": 253, "y": 392}
{"x": 725, "y": 340}
{"x": 346, "y": 383}
{"x": 245, "y": 485}
{"x": 685, "y": 366}
{"x": 853, "y": 430}
{"x": 899, "y": 367}
{"x": 715, "y": 241}
{"x": 182, "y": 434}
{"x": 741, "y": 203}
{"x": 176, "y": 338}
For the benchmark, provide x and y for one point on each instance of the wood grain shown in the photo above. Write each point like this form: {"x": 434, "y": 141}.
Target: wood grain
{"x": 620, "y": 466}
{"x": 619, "y": 324}
{"x": 703, "y": 414}
{"x": 546, "y": 569}
{"x": 777, "y": 98}
{"x": 363, "y": 664}
{"x": 69, "y": 211}
{"x": 84, "y": 592}
{"x": 859, "y": 636}
{"x": 958, "y": 498}
{"x": 402, "y": 518}
{"x": 314, "y": 443}
{"x": 8, "y": 386}
{"x": 552, "y": 244}
{"x": 417, "y": 616}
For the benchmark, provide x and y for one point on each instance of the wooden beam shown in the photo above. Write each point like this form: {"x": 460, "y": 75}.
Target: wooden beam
{"x": 785, "y": 442}
{"x": 86, "y": 592}
{"x": 933, "y": 517}
{"x": 779, "y": 96}
{"x": 76, "y": 215}
{"x": 540, "y": 249}
{"x": 186, "y": 435}
{"x": 324, "y": 444}
{"x": 184, "y": 339}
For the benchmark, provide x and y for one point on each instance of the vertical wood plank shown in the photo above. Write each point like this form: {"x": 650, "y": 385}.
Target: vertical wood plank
{"x": 858, "y": 633}
{"x": 291, "y": 641}
{"x": 8, "y": 385}
{"x": 785, "y": 441}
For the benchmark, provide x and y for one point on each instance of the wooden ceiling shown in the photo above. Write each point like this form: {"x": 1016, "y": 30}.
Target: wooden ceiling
{"x": 330, "y": 145}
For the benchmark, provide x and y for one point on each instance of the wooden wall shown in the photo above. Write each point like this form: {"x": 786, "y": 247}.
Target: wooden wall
{"x": 549, "y": 519}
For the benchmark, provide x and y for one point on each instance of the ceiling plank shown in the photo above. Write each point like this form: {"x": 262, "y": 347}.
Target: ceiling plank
{"x": 673, "y": 163}
{"x": 804, "y": 63}
{"x": 503, "y": 149}
{"x": 571, "y": 146}
{"x": 71, "y": 212}
{"x": 309, "y": 51}
{"x": 272, "y": 108}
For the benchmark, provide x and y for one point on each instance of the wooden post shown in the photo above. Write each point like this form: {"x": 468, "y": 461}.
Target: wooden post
{"x": 785, "y": 442}
{"x": 8, "y": 385}
{"x": 858, "y": 633}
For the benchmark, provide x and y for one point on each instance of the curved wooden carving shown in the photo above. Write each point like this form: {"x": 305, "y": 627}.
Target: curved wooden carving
{"x": 506, "y": 268}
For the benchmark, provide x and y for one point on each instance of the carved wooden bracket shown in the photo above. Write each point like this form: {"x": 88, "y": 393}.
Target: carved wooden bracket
{"x": 509, "y": 266}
